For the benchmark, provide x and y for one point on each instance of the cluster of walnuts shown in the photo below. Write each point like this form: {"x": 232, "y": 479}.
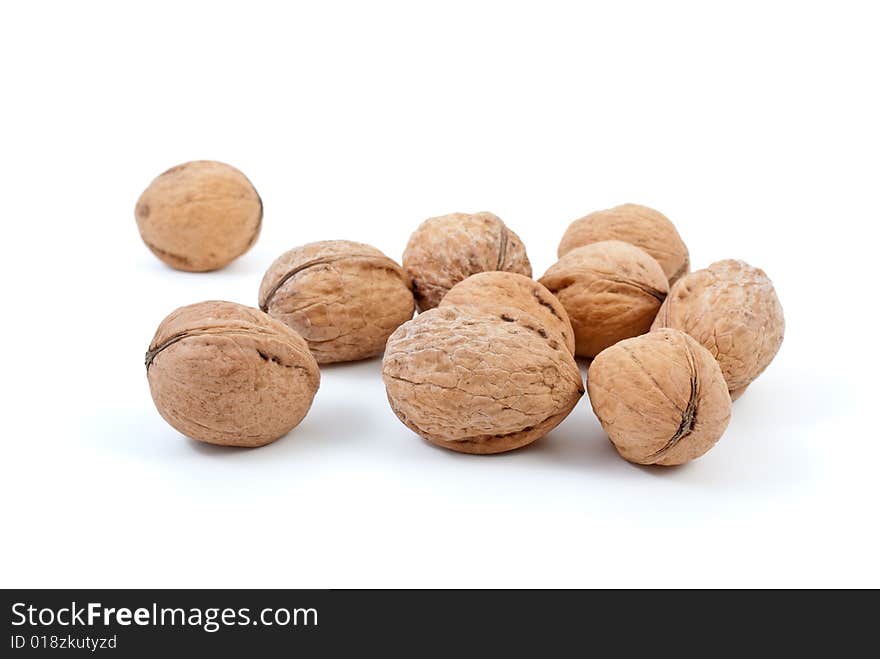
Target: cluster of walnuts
{"x": 488, "y": 364}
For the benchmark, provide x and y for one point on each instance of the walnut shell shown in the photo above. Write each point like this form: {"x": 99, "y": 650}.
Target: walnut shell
{"x": 611, "y": 291}
{"x": 344, "y": 298}
{"x": 477, "y": 382}
{"x": 199, "y": 216}
{"x": 641, "y": 226}
{"x": 445, "y": 250}
{"x": 731, "y": 308}
{"x": 492, "y": 291}
{"x": 660, "y": 397}
{"x": 227, "y": 374}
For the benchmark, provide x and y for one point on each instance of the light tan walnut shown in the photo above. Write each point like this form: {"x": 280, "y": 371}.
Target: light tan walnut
{"x": 492, "y": 291}
{"x": 199, "y": 216}
{"x": 731, "y": 308}
{"x": 660, "y": 397}
{"x": 223, "y": 373}
{"x": 477, "y": 382}
{"x": 445, "y": 250}
{"x": 641, "y": 226}
{"x": 345, "y": 298}
{"x": 611, "y": 291}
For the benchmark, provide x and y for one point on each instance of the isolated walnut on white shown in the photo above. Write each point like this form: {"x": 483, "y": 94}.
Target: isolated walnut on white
{"x": 200, "y": 215}
{"x": 223, "y": 373}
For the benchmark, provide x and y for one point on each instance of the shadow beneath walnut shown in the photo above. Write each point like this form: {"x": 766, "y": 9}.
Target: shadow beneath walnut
{"x": 216, "y": 450}
{"x": 362, "y": 368}
{"x": 576, "y": 443}
{"x": 245, "y": 265}
{"x": 338, "y": 416}
{"x": 579, "y": 441}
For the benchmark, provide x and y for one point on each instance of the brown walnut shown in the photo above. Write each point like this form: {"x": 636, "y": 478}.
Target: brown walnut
{"x": 492, "y": 291}
{"x": 731, "y": 308}
{"x": 611, "y": 291}
{"x": 199, "y": 216}
{"x": 445, "y": 250}
{"x": 344, "y": 298}
{"x": 641, "y": 226}
{"x": 223, "y": 373}
{"x": 479, "y": 383}
{"x": 660, "y": 397}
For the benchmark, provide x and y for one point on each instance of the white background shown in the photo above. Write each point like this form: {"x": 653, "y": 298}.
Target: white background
{"x": 755, "y": 129}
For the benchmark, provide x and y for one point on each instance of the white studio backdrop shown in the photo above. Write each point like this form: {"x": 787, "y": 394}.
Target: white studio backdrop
{"x": 753, "y": 127}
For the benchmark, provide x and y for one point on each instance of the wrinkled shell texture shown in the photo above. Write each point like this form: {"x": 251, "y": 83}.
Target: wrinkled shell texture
{"x": 345, "y": 298}
{"x": 199, "y": 216}
{"x": 228, "y": 374}
{"x": 448, "y": 249}
{"x": 660, "y": 397}
{"x": 479, "y": 383}
{"x": 493, "y": 291}
{"x": 641, "y": 226}
{"x": 731, "y": 308}
{"x": 611, "y": 291}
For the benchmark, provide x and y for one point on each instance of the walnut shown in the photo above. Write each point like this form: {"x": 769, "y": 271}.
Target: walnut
{"x": 611, "y": 291}
{"x": 477, "y": 382}
{"x": 731, "y": 308}
{"x": 199, "y": 216}
{"x": 227, "y": 374}
{"x": 641, "y": 226}
{"x": 345, "y": 298}
{"x": 445, "y": 250}
{"x": 493, "y": 291}
{"x": 660, "y": 397}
